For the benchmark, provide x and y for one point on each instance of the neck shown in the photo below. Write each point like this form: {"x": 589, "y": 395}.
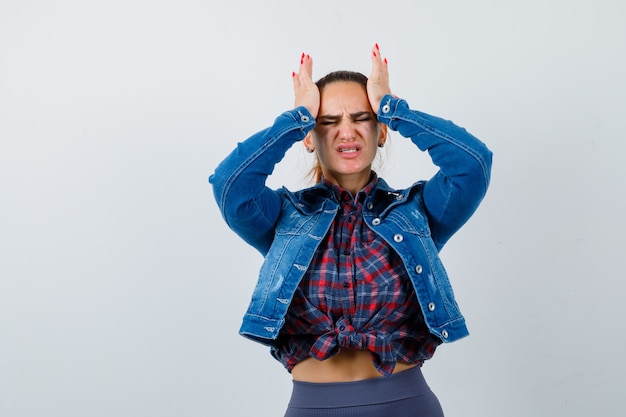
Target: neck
{"x": 352, "y": 183}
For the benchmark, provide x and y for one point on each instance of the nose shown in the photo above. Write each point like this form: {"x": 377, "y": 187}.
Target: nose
{"x": 346, "y": 130}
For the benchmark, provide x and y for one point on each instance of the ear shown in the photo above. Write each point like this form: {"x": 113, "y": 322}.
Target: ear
{"x": 308, "y": 142}
{"x": 382, "y": 133}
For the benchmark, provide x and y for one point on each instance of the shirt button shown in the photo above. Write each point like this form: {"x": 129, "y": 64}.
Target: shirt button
{"x": 431, "y": 306}
{"x": 444, "y": 333}
{"x": 398, "y": 238}
{"x": 376, "y": 221}
{"x": 418, "y": 269}
{"x": 346, "y": 285}
{"x": 342, "y": 328}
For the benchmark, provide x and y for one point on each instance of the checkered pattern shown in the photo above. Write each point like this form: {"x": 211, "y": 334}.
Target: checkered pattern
{"x": 356, "y": 294}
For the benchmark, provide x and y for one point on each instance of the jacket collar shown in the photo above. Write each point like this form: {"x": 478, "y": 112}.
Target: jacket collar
{"x": 322, "y": 197}
{"x": 341, "y": 193}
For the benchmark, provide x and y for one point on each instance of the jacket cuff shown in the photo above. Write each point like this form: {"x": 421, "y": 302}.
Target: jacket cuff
{"x": 303, "y": 117}
{"x": 388, "y": 106}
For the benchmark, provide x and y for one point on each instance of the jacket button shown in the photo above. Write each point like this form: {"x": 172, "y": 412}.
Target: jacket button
{"x": 418, "y": 269}
{"x": 398, "y": 238}
{"x": 386, "y": 108}
{"x": 370, "y": 205}
{"x": 376, "y": 221}
{"x": 444, "y": 333}
{"x": 431, "y": 306}
{"x": 304, "y": 118}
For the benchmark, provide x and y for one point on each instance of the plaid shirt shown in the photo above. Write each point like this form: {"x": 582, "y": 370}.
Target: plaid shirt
{"x": 356, "y": 295}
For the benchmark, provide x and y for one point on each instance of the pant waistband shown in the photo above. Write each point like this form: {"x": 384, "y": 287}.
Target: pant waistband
{"x": 405, "y": 384}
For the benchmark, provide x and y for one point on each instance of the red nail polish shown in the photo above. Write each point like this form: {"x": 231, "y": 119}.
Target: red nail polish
{"x": 374, "y": 54}
{"x": 377, "y": 47}
{"x": 386, "y": 61}
{"x": 293, "y": 74}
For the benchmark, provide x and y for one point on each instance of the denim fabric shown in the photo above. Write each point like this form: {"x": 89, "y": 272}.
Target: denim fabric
{"x": 286, "y": 227}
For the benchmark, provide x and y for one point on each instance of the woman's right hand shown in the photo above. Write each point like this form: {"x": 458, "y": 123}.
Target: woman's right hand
{"x": 306, "y": 92}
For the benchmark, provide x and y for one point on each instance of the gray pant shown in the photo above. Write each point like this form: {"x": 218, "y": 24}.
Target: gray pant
{"x": 404, "y": 394}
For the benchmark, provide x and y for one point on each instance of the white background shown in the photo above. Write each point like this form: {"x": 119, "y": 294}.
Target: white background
{"x": 122, "y": 290}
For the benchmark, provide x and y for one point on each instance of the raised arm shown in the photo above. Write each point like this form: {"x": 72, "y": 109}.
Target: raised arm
{"x": 248, "y": 206}
{"x": 452, "y": 195}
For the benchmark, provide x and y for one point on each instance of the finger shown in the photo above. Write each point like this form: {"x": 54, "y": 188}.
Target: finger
{"x": 377, "y": 58}
{"x": 377, "y": 62}
{"x": 300, "y": 77}
{"x": 306, "y": 66}
{"x": 302, "y": 58}
{"x": 309, "y": 62}
{"x": 376, "y": 53}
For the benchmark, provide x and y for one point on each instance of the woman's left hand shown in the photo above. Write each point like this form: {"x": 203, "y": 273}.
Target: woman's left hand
{"x": 378, "y": 82}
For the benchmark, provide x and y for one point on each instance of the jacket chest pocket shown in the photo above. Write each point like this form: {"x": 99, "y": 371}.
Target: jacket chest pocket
{"x": 295, "y": 223}
{"x": 413, "y": 222}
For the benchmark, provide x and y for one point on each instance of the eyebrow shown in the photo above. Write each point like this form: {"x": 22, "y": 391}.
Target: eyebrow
{"x": 331, "y": 118}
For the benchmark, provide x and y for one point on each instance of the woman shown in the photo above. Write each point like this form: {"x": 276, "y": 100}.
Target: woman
{"x": 352, "y": 297}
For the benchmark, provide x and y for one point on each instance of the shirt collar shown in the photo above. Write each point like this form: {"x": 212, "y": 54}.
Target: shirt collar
{"x": 342, "y": 194}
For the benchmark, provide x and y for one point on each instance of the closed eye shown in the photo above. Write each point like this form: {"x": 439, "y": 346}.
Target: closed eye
{"x": 363, "y": 116}
{"x": 328, "y": 120}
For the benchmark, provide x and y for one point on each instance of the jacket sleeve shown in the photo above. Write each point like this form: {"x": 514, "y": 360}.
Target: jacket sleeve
{"x": 453, "y": 194}
{"x": 248, "y": 206}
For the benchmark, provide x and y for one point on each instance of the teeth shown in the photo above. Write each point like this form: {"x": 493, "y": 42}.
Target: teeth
{"x": 348, "y": 150}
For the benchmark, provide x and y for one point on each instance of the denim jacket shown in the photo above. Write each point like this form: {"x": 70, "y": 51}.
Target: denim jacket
{"x": 287, "y": 227}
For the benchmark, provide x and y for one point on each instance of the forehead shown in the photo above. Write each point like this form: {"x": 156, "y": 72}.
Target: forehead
{"x": 343, "y": 96}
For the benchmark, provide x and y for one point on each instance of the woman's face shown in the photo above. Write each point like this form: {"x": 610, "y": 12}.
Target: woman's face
{"x": 346, "y": 135}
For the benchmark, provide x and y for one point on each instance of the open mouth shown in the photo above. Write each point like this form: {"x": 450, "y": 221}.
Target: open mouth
{"x": 349, "y": 149}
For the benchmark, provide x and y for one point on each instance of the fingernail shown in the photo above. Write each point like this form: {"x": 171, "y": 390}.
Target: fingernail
{"x": 293, "y": 74}
{"x": 377, "y": 46}
{"x": 374, "y": 54}
{"x": 386, "y": 61}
